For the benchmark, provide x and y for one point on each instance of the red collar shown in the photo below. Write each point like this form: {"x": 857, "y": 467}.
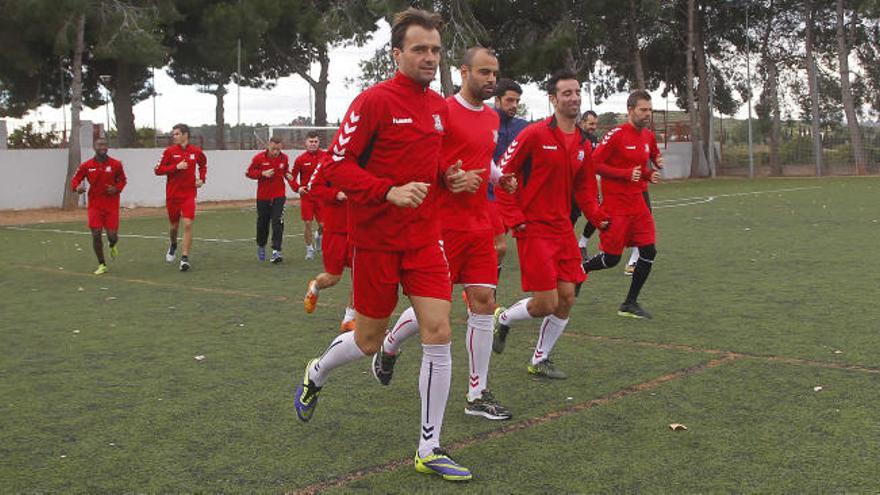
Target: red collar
{"x": 403, "y": 80}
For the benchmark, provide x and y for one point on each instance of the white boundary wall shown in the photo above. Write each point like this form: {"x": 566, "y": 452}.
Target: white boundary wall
{"x": 36, "y": 178}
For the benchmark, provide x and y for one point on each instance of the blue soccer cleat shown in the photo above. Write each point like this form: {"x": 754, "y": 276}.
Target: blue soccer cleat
{"x": 439, "y": 463}
{"x": 306, "y": 399}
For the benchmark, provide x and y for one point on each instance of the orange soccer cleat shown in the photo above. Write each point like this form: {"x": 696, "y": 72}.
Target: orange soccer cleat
{"x": 310, "y": 302}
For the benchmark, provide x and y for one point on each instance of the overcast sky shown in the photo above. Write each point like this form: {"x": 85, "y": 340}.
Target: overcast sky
{"x": 286, "y": 101}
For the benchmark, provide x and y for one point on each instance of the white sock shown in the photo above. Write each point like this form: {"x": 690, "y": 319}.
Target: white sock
{"x": 634, "y": 256}
{"x": 406, "y": 327}
{"x": 314, "y": 289}
{"x": 342, "y": 350}
{"x": 479, "y": 347}
{"x": 434, "y": 378}
{"x": 583, "y": 241}
{"x": 349, "y": 314}
{"x": 551, "y": 328}
{"x": 517, "y": 312}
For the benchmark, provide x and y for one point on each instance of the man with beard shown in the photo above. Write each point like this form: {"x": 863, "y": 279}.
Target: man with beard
{"x": 551, "y": 160}
{"x": 622, "y": 160}
{"x": 106, "y": 180}
{"x": 467, "y": 231}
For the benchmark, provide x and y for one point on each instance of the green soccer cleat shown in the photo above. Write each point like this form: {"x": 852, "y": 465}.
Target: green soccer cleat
{"x": 547, "y": 369}
{"x": 114, "y": 252}
{"x": 102, "y": 269}
{"x": 633, "y": 310}
{"x": 439, "y": 463}
{"x": 499, "y": 331}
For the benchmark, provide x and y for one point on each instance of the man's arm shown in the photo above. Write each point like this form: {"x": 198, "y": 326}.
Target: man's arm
{"x": 121, "y": 179}
{"x": 253, "y": 170}
{"x": 586, "y": 194}
{"x": 165, "y": 167}
{"x": 351, "y": 141}
{"x": 202, "y": 161}
{"x": 78, "y": 178}
{"x": 511, "y": 162}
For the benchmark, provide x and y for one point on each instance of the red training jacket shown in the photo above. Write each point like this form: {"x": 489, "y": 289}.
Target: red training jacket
{"x": 549, "y": 175}
{"x": 269, "y": 188}
{"x": 622, "y": 149}
{"x": 304, "y": 166}
{"x": 334, "y": 213}
{"x": 391, "y": 135}
{"x": 100, "y": 175}
{"x": 182, "y": 183}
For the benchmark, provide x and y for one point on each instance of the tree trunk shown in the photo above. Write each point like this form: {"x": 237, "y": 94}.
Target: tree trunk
{"x": 695, "y": 143}
{"x": 702, "y": 87}
{"x": 849, "y": 107}
{"x": 74, "y": 155}
{"x": 446, "y": 86}
{"x": 122, "y": 108}
{"x": 635, "y": 52}
{"x": 320, "y": 88}
{"x": 813, "y": 83}
{"x": 220, "y": 118}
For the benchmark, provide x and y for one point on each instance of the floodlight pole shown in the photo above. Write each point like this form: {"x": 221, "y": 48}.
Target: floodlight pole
{"x": 749, "y": 86}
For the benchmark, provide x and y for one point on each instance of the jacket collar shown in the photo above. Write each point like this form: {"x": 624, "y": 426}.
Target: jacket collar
{"x": 403, "y": 80}
{"x": 554, "y": 125}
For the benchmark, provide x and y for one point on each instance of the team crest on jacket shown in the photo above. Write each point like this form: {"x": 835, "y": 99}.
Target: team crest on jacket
{"x": 438, "y": 124}
{"x": 581, "y": 155}
{"x": 647, "y": 148}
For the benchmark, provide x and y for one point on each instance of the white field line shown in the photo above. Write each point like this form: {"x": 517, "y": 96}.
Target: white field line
{"x": 136, "y": 236}
{"x": 698, "y": 200}
{"x": 678, "y": 202}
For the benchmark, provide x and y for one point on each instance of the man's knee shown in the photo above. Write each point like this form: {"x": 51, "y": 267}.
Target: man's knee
{"x": 648, "y": 252}
{"x": 543, "y": 304}
{"x": 481, "y": 299}
{"x": 610, "y": 260}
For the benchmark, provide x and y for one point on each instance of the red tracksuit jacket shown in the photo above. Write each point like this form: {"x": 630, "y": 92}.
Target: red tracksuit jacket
{"x": 334, "y": 213}
{"x": 549, "y": 176}
{"x": 390, "y": 136}
{"x": 182, "y": 183}
{"x": 304, "y": 166}
{"x": 269, "y": 188}
{"x": 622, "y": 149}
{"x": 100, "y": 175}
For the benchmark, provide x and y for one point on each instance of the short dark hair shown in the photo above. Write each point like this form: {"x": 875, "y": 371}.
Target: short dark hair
{"x": 470, "y": 53}
{"x": 633, "y": 99}
{"x": 559, "y": 76}
{"x": 409, "y": 17}
{"x": 276, "y": 139}
{"x": 183, "y": 128}
{"x": 311, "y": 134}
{"x": 589, "y": 113}
{"x": 505, "y": 85}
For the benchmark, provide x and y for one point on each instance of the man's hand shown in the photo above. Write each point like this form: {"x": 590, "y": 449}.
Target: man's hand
{"x": 182, "y": 165}
{"x": 655, "y": 177}
{"x": 199, "y": 183}
{"x": 301, "y": 190}
{"x": 636, "y": 174}
{"x": 340, "y": 196}
{"x": 520, "y": 227}
{"x": 81, "y": 189}
{"x": 658, "y": 162}
{"x": 111, "y": 189}
{"x": 268, "y": 172}
{"x": 473, "y": 179}
{"x": 604, "y": 225}
{"x": 408, "y": 195}
{"x": 455, "y": 179}
{"x": 288, "y": 176}
{"x": 508, "y": 182}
